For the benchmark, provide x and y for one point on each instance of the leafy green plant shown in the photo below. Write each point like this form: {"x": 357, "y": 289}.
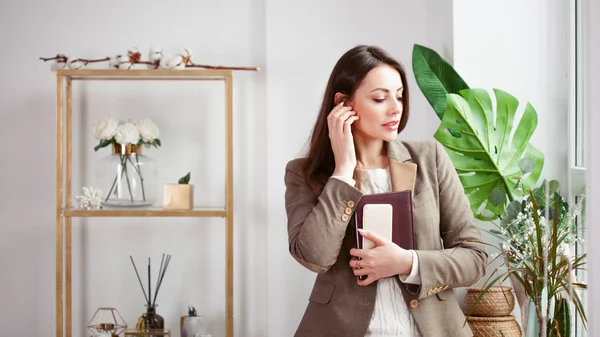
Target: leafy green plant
{"x": 185, "y": 179}
{"x": 497, "y": 165}
{"x": 560, "y": 324}
{"x": 512, "y": 221}
{"x": 490, "y": 154}
{"x": 436, "y": 77}
{"x": 192, "y": 311}
{"x": 535, "y": 246}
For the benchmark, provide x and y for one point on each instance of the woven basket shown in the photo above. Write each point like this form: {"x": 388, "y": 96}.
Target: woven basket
{"x": 494, "y": 326}
{"x": 496, "y": 302}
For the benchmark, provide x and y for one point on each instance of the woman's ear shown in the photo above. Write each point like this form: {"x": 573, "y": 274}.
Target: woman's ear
{"x": 339, "y": 98}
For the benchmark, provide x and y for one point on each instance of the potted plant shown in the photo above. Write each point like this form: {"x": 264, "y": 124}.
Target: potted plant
{"x": 535, "y": 239}
{"x": 488, "y": 146}
{"x": 179, "y": 196}
{"x": 498, "y": 168}
{"x": 193, "y": 325}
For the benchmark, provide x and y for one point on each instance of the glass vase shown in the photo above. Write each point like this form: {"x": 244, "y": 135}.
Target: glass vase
{"x": 127, "y": 177}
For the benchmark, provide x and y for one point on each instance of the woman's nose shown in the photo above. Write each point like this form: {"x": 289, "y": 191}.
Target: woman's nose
{"x": 395, "y": 108}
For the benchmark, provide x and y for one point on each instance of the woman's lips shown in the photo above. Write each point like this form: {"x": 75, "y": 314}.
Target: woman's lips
{"x": 393, "y": 125}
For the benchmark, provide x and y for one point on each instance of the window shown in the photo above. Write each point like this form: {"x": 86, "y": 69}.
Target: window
{"x": 577, "y": 139}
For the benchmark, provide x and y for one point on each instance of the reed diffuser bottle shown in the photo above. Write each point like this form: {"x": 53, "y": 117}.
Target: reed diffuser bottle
{"x": 151, "y": 320}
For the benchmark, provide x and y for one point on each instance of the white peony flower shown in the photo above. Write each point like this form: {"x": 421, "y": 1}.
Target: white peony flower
{"x": 105, "y": 128}
{"x": 127, "y": 133}
{"x": 124, "y": 62}
{"x": 148, "y": 130}
{"x": 133, "y": 51}
{"x": 75, "y": 63}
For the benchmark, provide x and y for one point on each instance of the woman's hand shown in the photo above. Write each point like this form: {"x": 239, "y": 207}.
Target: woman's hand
{"x": 384, "y": 260}
{"x": 339, "y": 121}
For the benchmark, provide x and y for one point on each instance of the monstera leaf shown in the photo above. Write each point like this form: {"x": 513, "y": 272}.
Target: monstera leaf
{"x": 490, "y": 155}
{"x": 436, "y": 77}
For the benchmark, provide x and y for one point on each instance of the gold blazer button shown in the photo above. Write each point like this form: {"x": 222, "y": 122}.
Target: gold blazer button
{"x": 348, "y": 210}
{"x": 350, "y": 203}
{"x": 414, "y": 304}
{"x": 345, "y": 217}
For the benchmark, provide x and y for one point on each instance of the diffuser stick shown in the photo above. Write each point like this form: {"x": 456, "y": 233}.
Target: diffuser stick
{"x": 149, "y": 284}
{"x": 140, "y": 280}
{"x": 162, "y": 275}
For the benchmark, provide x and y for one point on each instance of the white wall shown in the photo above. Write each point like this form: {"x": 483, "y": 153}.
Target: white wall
{"x": 527, "y": 58}
{"x": 520, "y": 47}
{"x": 298, "y": 66}
{"x": 191, "y": 121}
{"x": 296, "y": 44}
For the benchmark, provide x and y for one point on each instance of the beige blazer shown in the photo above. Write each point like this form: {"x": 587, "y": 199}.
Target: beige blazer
{"x": 320, "y": 238}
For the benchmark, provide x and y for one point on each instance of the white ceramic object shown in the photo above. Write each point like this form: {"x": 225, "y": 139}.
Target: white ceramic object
{"x": 194, "y": 326}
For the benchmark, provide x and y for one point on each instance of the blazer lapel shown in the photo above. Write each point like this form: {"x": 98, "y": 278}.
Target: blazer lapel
{"x": 403, "y": 172}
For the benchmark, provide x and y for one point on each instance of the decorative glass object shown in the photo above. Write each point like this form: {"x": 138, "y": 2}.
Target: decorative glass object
{"x": 107, "y": 322}
{"x": 127, "y": 177}
{"x": 152, "y": 319}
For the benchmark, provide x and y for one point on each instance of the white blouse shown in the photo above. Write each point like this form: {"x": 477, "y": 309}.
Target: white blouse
{"x": 391, "y": 316}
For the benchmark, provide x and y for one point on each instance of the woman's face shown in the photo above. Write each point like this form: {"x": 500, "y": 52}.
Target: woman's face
{"x": 378, "y": 102}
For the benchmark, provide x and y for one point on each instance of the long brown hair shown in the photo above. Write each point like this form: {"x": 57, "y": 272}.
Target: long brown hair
{"x": 346, "y": 76}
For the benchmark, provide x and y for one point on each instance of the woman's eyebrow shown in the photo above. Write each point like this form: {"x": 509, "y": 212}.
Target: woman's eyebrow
{"x": 386, "y": 90}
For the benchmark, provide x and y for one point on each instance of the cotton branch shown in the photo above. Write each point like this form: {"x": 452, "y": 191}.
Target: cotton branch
{"x": 58, "y": 57}
{"x": 193, "y": 65}
{"x": 133, "y": 56}
{"x": 63, "y": 58}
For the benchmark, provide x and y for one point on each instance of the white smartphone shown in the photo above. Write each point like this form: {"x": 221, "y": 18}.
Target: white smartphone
{"x": 377, "y": 218}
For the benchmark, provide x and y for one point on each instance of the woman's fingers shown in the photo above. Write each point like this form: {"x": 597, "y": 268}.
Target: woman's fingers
{"x": 360, "y": 272}
{"x": 334, "y": 114}
{"x": 359, "y": 253}
{"x": 355, "y": 263}
{"x": 338, "y": 117}
{"x": 342, "y": 118}
{"x": 370, "y": 279}
{"x": 349, "y": 122}
{"x": 361, "y": 268}
{"x": 344, "y": 113}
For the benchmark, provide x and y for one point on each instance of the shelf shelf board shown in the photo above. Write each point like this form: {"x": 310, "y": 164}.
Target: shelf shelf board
{"x": 123, "y": 74}
{"x": 146, "y": 212}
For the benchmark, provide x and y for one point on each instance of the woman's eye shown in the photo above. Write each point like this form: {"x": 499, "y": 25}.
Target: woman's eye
{"x": 379, "y": 100}
{"x": 400, "y": 98}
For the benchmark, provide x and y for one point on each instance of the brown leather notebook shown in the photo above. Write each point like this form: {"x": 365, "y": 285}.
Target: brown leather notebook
{"x": 402, "y": 216}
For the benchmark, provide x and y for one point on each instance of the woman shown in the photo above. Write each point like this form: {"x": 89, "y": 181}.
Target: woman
{"x": 354, "y": 151}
